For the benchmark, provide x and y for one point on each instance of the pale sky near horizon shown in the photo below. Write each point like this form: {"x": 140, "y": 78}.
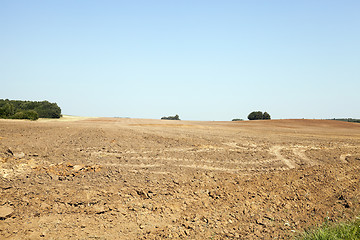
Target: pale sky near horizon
{"x": 203, "y": 60}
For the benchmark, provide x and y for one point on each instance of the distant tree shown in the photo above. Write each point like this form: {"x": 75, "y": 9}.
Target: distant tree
{"x": 258, "y": 115}
{"x": 176, "y": 117}
{"x": 46, "y": 109}
{"x": 266, "y": 116}
{"x": 237, "y": 119}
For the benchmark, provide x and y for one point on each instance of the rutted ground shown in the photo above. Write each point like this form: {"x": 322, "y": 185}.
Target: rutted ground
{"x": 130, "y": 179}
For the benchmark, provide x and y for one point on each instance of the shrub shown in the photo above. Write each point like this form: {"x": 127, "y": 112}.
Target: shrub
{"x": 237, "y": 119}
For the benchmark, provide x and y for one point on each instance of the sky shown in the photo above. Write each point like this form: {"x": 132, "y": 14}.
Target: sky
{"x": 200, "y": 59}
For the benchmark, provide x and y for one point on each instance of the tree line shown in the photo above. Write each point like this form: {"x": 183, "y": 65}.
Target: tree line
{"x": 17, "y": 109}
{"x": 347, "y": 120}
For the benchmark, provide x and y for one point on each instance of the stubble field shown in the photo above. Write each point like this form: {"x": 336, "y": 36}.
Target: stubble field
{"x": 112, "y": 178}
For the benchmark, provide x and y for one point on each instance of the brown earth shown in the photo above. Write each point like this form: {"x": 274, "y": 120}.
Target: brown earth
{"x": 111, "y": 178}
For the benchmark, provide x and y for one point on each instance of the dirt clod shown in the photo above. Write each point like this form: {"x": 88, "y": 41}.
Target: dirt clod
{"x": 5, "y": 212}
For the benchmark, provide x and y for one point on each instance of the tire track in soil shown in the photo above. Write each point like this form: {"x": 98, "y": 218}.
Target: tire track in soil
{"x": 210, "y": 168}
{"x": 343, "y": 157}
{"x": 255, "y": 162}
{"x": 194, "y": 166}
{"x": 302, "y": 155}
{"x": 239, "y": 165}
{"x": 276, "y": 151}
{"x": 132, "y": 165}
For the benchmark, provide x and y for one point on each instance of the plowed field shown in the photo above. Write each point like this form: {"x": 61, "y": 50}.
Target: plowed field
{"x": 112, "y": 178}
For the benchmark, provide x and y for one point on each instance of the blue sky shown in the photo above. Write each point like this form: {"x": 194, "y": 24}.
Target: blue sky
{"x": 203, "y": 60}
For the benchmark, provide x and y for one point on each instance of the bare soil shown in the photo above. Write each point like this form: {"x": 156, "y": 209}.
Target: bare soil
{"x": 111, "y": 178}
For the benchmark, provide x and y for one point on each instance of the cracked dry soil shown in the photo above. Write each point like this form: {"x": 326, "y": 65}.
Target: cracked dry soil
{"x": 111, "y": 178}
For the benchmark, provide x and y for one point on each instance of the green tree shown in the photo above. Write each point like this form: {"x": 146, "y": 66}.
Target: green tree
{"x": 27, "y": 114}
{"x": 266, "y": 116}
{"x": 46, "y": 109}
{"x": 256, "y": 115}
{"x": 9, "y": 109}
{"x": 176, "y": 117}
